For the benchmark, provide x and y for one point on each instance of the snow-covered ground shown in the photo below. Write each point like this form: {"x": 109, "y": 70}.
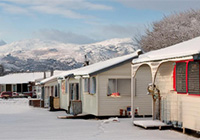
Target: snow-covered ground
{"x": 19, "y": 121}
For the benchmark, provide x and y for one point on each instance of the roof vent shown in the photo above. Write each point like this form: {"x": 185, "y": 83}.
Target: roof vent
{"x": 86, "y": 62}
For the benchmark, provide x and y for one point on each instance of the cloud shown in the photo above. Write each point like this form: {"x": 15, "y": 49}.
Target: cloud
{"x": 66, "y": 8}
{"x": 64, "y": 37}
{"x": 162, "y": 5}
{"x": 117, "y": 31}
{"x": 58, "y": 11}
{"x": 14, "y": 9}
{"x": 73, "y": 4}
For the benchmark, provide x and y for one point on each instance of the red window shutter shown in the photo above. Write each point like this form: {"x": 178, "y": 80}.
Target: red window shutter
{"x": 174, "y": 78}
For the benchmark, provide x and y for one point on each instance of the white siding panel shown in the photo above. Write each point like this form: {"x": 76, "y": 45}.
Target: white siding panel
{"x": 111, "y": 105}
{"x": 164, "y": 82}
{"x": 89, "y": 101}
{"x": 64, "y": 101}
{"x": 89, "y": 104}
{"x": 142, "y": 101}
{"x": 191, "y": 112}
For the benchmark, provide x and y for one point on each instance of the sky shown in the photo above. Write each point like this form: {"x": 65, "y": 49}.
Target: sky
{"x": 83, "y": 21}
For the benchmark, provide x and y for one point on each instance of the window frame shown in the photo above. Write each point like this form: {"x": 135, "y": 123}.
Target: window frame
{"x": 90, "y": 86}
{"x": 87, "y": 85}
{"x": 187, "y": 79}
{"x": 182, "y": 92}
{"x": 93, "y": 85}
{"x": 116, "y": 86}
{"x": 190, "y": 92}
{"x": 56, "y": 91}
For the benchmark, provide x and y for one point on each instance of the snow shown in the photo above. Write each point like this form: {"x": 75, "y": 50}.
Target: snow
{"x": 111, "y": 120}
{"x": 19, "y": 78}
{"x": 105, "y": 64}
{"x": 56, "y": 76}
{"x": 93, "y": 67}
{"x": 13, "y": 106}
{"x": 53, "y": 54}
{"x": 183, "y": 49}
{"x": 27, "y": 123}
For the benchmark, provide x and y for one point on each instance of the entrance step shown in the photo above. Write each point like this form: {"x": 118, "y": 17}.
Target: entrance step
{"x": 156, "y": 124}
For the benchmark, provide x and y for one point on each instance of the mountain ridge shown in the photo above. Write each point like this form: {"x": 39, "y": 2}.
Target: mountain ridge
{"x": 41, "y": 55}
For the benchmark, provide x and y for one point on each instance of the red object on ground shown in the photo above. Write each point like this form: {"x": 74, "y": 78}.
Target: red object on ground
{"x": 6, "y": 94}
{"x": 28, "y": 94}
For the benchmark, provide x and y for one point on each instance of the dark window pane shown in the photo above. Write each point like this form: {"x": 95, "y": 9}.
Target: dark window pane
{"x": 181, "y": 77}
{"x": 56, "y": 91}
{"x": 193, "y": 77}
{"x": 19, "y": 88}
{"x": 25, "y": 87}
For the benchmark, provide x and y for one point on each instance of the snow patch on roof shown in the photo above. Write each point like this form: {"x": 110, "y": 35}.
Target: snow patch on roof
{"x": 19, "y": 78}
{"x": 183, "y": 49}
{"x": 105, "y": 64}
{"x": 60, "y": 74}
{"x": 93, "y": 67}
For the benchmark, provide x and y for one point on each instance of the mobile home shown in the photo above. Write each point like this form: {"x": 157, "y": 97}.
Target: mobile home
{"x": 51, "y": 87}
{"x": 174, "y": 72}
{"x": 105, "y": 87}
{"x": 20, "y": 82}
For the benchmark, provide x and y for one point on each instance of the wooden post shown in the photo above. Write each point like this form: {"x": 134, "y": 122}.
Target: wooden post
{"x": 154, "y": 109}
{"x": 183, "y": 130}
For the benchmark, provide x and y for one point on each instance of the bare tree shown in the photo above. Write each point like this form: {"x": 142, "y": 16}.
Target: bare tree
{"x": 171, "y": 30}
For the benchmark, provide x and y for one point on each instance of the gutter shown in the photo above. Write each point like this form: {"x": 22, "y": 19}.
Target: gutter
{"x": 197, "y": 56}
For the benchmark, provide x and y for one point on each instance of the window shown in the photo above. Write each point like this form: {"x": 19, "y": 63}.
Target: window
{"x": 56, "y": 91}
{"x": 93, "y": 85}
{"x": 25, "y": 87}
{"x": 2, "y": 88}
{"x": 181, "y": 77}
{"x": 51, "y": 91}
{"x": 112, "y": 86}
{"x": 187, "y": 77}
{"x": 19, "y": 88}
{"x": 86, "y": 85}
{"x": 193, "y": 77}
{"x": 74, "y": 91}
{"x": 14, "y": 88}
{"x": 122, "y": 86}
{"x": 90, "y": 85}
{"x": 71, "y": 91}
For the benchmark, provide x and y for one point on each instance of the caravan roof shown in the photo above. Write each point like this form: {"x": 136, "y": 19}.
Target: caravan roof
{"x": 104, "y": 65}
{"x": 184, "y": 49}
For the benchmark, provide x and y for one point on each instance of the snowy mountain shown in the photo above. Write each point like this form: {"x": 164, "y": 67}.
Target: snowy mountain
{"x": 2, "y": 42}
{"x": 39, "y": 55}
